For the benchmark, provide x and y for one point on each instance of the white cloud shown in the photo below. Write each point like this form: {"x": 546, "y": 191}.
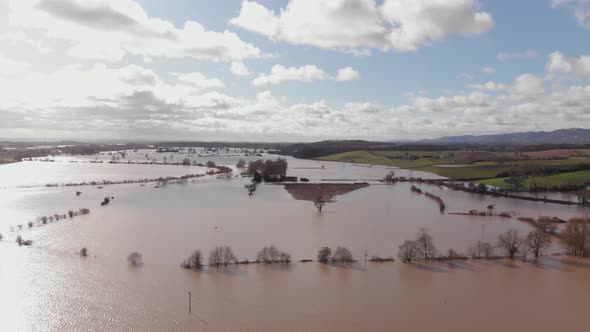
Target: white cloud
{"x": 131, "y": 101}
{"x": 11, "y": 67}
{"x": 109, "y": 29}
{"x": 579, "y": 8}
{"x": 239, "y": 69}
{"x": 560, "y": 64}
{"x": 506, "y": 56}
{"x": 489, "y": 86}
{"x": 488, "y": 70}
{"x": 200, "y": 81}
{"x": 347, "y": 74}
{"x": 306, "y": 73}
{"x": 359, "y": 25}
{"x": 21, "y": 37}
{"x": 527, "y": 86}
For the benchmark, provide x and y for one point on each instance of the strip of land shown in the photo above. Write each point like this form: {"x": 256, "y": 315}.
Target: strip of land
{"x": 551, "y": 169}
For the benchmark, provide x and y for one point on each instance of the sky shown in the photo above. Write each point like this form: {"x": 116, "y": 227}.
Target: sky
{"x": 291, "y": 70}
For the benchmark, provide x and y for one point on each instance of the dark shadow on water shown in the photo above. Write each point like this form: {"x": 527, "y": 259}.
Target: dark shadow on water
{"x": 460, "y": 265}
{"x": 230, "y": 270}
{"x": 570, "y": 261}
{"x": 547, "y": 264}
{"x": 430, "y": 266}
{"x": 504, "y": 262}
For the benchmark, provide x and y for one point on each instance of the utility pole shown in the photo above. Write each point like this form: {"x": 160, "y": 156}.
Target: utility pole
{"x": 189, "y": 302}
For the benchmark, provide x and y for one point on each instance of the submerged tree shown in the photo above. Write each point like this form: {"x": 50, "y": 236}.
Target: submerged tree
{"x": 272, "y": 254}
{"x": 576, "y": 236}
{"x": 390, "y": 177}
{"x": 135, "y": 258}
{"x": 241, "y": 163}
{"x": 408, "y": 251}
{"x": 425, "y": 244}
{"x": 221, "y": 255}
{"x": 319, "y": 203}
{"x": 342, "y": 255}
{"x": 511, "y": 242}
{"x": 195, "y": 261}
{"x": 269, "y": 254}
{"x": 84, "y": 252}
{"x": 481, "y": 250}
{"x": 324, "y": 255}
{"x": 537, "y": 241}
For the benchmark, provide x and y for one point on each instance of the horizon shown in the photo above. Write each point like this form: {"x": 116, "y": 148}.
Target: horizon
{"x": 256, "y": 71}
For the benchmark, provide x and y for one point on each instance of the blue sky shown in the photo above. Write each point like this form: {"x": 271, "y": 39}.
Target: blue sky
{"x": 421, "y": 75}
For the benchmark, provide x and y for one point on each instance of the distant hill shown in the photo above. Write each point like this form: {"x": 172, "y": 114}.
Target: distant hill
{"x": 325, "y": 148}
{"x": 561, "y": 136}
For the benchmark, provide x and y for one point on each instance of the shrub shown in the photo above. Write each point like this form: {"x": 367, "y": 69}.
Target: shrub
{"x": 135, "y": 258}
{"x": 342, "y": 255}
{"x": 324, "y": 254}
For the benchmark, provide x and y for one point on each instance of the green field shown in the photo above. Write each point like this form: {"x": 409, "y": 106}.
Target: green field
{"x": 570, "y": 178}
{"x": 473, "y": 165}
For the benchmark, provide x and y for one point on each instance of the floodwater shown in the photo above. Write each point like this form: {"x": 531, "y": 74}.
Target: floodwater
{"x": 49, "y": 287}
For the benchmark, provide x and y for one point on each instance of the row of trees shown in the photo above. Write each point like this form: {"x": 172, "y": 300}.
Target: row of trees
{"x": 510, "y": 242}
{"x": 218, "y": 256}
{"x": 341, "y": 255}
{"x": 269, "y": 170}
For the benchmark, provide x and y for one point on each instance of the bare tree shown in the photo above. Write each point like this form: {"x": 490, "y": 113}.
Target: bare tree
{"x": 228, "y": 256}
{"x": 342, "y": 255}
{"x": 216, "y": 256}
{"x": 408, "y": 251}
{"x": 481, "y": 250}
{"x": 452, "y": 254}
{"x": 324, "y": 254}
{"x": 425, "y": 244}
{"x": 19, "y": 240}
{"x": 319, "y": 203}
{"x": 135, "y": 258}
{"x": 195, "y": 261}
{"x": 576, "y": 236}
{"x": 390, "y": 177}
{"x": 269, "y": 255}
{"x": 511, "y": 242}
{"x": 487, "y": 249}
{"x": 537, "y": 241}
{"x": 285, "y": 257}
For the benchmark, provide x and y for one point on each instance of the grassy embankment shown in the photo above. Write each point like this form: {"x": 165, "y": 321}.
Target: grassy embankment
{"x": 480, "y": 165}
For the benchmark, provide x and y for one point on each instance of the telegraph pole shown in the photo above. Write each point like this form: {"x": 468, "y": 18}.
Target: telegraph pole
{"x": 189, "y": 302}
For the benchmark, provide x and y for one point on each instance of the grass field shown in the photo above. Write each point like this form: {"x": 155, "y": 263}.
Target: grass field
{"x": 570, "y": 178}
{"x": 475, "y": 165}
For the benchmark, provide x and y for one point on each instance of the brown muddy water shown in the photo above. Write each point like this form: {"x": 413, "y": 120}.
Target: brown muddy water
{"x": 48, "y": 287}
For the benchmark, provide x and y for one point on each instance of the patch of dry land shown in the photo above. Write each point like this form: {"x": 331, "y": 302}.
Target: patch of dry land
{"x": 326, "y": 191}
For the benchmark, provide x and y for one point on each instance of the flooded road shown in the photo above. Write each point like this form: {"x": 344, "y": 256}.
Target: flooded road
{"x": 49, "y": 287}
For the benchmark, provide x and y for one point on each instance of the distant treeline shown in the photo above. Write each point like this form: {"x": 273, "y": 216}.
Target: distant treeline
{"x": 248, "y": 145}
{"x": 326, "y": 148}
